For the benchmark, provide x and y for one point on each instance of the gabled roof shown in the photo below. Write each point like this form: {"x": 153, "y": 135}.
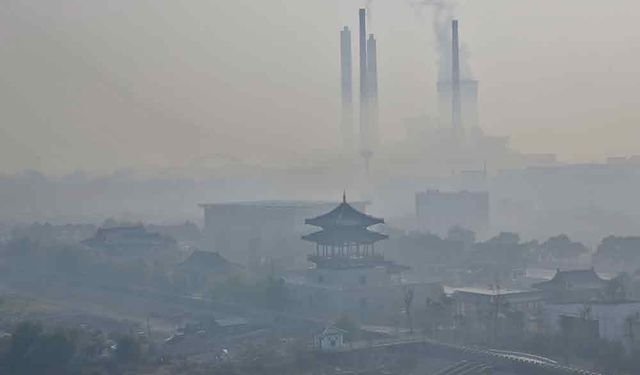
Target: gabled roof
{"x": 209, "y": 261}
{"x": 332, "y": 330}
{"x": 575, "y": 278}
{"x": 345, "y": 236}
{"x": 344, "y": 216}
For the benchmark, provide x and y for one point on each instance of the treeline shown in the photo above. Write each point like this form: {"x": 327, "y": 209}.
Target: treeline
{"x": 460, "y": 246}
{"x": 37, "y": 261}
{"x": 35, "y": 349}
{"x": 32, "y": 349}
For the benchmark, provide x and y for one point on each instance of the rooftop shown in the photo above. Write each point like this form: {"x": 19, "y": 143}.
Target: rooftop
{"x": 209, "y": 261}
{"x": 580, "y": 278}
{"x": 344, "y": 216}
{"x": 491, "y": 292}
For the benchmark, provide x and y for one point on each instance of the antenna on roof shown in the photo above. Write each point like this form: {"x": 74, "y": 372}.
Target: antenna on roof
{"x": 344, "y": 196}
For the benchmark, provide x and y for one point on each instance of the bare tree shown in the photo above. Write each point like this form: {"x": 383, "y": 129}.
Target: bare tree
{"x": 408, "y": 301}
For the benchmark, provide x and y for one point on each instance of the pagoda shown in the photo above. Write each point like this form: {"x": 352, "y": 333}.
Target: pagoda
{"x": 350, "y": 274}
{"x": 345, "y": 240}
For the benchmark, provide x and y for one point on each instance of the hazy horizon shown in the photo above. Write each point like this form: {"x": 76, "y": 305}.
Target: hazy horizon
{"x": 150, "y": 85}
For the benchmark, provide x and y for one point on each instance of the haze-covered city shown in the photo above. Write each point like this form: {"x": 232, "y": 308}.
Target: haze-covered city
{"x": 319, "y": 187}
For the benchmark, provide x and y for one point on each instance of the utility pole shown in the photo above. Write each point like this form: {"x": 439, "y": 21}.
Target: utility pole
{"x": 148, "y": 329}
{"x": 496, "y": 288}
{"x": 408, "y": 301}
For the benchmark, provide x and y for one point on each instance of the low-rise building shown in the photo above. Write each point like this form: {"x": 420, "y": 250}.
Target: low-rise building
{"x": 481, "y": 300}
{"x": 128, "y": 240}
{"x": 573, "y": 286}
{"x": 496, "y": 312}
{"x": 202, "y": 269}
{"x": 616, "y": 321}
{"x": 330, "y": 339}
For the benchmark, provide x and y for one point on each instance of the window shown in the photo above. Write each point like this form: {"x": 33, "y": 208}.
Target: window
{"x": 320, "y": 279}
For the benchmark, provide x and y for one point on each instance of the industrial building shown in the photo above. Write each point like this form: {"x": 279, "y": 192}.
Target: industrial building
{"x": 368, "y": 98}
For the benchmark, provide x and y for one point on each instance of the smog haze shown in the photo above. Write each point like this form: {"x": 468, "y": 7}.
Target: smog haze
{"x": 150, "y": 85}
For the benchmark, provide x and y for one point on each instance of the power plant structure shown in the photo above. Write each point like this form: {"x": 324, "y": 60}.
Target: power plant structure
{"x": 362, "y": 38}
{"x": 369, "y": 112}
{"x": 457, "y": 95}
{"x": 371, "y": 134}
{"x": 456, "y": 120}
{"x": 346, "y": 84}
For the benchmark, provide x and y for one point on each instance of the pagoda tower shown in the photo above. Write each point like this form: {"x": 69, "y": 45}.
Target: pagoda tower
{"x": 345, "y": 240}
{"x": 350, "y": 274}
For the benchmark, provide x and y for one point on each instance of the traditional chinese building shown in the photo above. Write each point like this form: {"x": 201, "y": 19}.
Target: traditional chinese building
{"x": 574, "y": 286}
{"x": 345, "y": 240}
{"x": 349, "y": 274}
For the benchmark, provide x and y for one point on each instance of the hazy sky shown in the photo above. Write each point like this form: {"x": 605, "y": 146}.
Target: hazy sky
{"x": 98, "y": 85}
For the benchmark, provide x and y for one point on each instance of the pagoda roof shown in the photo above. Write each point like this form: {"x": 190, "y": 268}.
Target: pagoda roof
{"x": 573, "y": 279}
{"x": 344, "y": 216}
{"x": 335, "y": 237}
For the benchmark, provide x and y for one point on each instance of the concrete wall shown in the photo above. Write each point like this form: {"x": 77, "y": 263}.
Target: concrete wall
{"x": 611, "y": 317}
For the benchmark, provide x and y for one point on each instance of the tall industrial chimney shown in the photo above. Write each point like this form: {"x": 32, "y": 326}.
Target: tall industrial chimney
{"x": 346, "y": 84}
{"x": 372, "y": 93}
{"x": 365, "y": 148}
{"x": 456, "y": 110}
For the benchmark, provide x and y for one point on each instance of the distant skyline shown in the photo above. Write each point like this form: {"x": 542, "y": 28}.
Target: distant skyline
{"x": 155, "y": 84}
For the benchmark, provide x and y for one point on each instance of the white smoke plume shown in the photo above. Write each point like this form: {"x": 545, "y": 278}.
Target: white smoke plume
{"x": 369, "y": 7}
{"x": 443, "y": 12}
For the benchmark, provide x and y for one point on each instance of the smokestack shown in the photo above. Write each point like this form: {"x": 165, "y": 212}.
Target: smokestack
{"x": 346, "y": 81}
{"x": 363, "y": 55}
{"x": 372, "y": 93}
{"x": 364, "y": 93}
{"x": 456, "y": 115}
{"x": 363, "y": 71}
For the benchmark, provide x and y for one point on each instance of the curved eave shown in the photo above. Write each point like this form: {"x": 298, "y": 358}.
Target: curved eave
{"x": 344, "y": 216}
{"x": 329, "y": 223}
{"x": 347, "y": 237}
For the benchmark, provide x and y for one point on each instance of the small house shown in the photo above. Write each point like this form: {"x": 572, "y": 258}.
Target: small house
{"x": 331, "y": 339}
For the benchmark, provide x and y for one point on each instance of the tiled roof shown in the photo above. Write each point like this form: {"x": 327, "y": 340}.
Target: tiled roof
{"x": 344, "y": 216}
